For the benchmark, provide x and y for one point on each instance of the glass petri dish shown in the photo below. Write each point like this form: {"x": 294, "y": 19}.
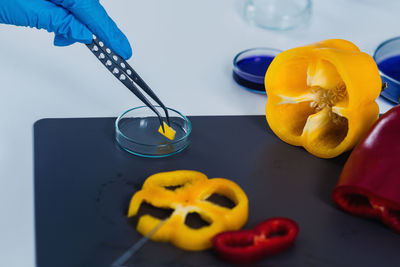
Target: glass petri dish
{"x": 250, "y": 66}
{"x": 387, "y": 57}
{"x": 277, "y": 14}
{"x": 136, "y": 131}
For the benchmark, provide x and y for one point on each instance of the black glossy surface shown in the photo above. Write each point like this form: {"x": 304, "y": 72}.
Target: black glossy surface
{"x": 83, "y": 182}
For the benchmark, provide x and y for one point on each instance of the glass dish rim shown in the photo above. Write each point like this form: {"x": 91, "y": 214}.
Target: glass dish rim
{"x": 149, "y": 155}
{"x": 307, "y": 8}
{"x": 150, "y": 145}
{"x": 374, "y": 57}
{"x": 235, "y": 59}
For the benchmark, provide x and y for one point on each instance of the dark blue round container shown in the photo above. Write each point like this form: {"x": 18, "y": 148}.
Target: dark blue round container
{"x": 387, "y": 57}
{"x": 250, "y": 66}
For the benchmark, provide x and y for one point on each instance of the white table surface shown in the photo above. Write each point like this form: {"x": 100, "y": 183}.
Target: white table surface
{"x": 184, "y": 49}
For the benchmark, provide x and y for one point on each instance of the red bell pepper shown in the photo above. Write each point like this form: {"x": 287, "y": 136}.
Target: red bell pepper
{"x": 271, "y": 236}
{"x": 369, "y": 184}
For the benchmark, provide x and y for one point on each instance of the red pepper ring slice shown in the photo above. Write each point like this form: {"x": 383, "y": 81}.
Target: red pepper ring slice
{"x": 269, "y": 237}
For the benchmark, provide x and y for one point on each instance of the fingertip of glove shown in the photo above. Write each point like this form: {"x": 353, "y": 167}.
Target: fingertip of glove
{"x": 129, "y": 54}
{"x": 125, "y": 49}
{"x": 119, "y": 44}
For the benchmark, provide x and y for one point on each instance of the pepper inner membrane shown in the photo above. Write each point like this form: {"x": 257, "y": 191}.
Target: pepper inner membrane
{"x": 334, "y": 126}
{"x": 332, "y": 133}
{"x": 316, "y": 111}
{"x": 295, "y": 116}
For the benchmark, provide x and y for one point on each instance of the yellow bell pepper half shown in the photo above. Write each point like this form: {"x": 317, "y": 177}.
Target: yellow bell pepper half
{"x": 190, "y": 195}
{"x": 322, "y": 96}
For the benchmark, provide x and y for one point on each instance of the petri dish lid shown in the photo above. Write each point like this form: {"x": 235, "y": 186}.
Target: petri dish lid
{"x": 250, "y": 66}
{"x": 136, "y": 131}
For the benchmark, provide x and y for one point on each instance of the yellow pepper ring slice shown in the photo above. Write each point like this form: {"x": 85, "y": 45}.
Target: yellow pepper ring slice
{"x": 322, "y": 96}
{"x": 190, "y": 195}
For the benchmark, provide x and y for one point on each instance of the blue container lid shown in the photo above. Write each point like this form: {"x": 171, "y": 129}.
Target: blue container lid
{"x": 387, "y": 57}
{"x": 250, "y": 66}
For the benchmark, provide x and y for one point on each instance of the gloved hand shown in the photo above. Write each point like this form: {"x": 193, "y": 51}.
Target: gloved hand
{"x": 71, "y": 21}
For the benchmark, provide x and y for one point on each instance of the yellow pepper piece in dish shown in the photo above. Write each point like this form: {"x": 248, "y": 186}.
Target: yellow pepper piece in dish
{"x": 169, "y": 132}
{"x": 322, "y": 96}
{"x": 190, "y": 193}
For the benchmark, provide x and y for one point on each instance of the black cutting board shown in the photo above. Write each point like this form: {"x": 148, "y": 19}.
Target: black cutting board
{"x": 84, "y": 180}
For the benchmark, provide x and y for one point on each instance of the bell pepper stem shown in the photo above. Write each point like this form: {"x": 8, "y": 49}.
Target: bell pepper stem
{"x": 384, "y": 86}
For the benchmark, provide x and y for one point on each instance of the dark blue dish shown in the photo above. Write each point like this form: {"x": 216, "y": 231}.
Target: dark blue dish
{"x": 387, "y": 57}
{"x": 250, "y": 66}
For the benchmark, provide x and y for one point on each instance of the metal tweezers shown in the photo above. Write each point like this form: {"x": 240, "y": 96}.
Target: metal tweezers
{"x": 127, "y": 75}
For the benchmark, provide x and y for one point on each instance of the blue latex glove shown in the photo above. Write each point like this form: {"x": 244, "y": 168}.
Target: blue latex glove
{"x": 71, "y": 21}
